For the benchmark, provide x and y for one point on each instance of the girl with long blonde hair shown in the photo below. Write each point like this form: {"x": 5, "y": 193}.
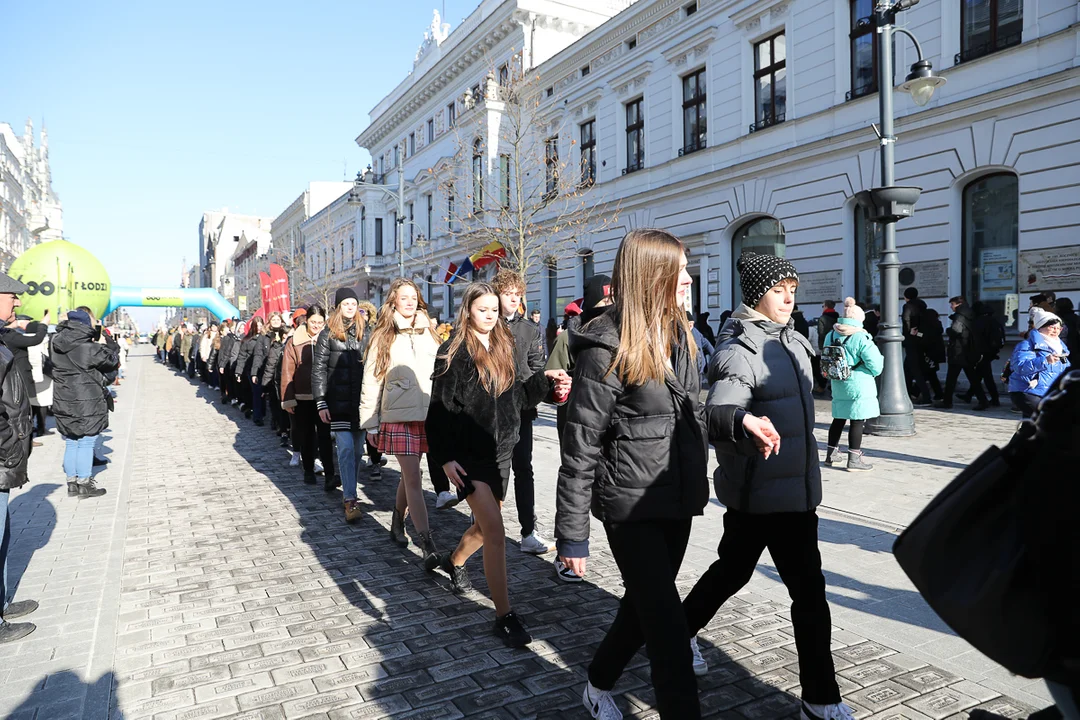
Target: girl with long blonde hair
{"x": 473, "y": 424}
{"x": 394, "y": 401}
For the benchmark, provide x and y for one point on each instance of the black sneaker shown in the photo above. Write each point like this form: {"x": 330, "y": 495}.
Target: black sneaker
{"x": 284, "y": 441}
{"x": 309, "y": 478}
{"x": 20, "y": 608}
{"x": 90, "y": 489}
{"x": 10, "y": 632}
{"x": 376, "y": 474}
{"x": 73, "y": 488}
{"x": 509, "y": 629}
{"x": 459, "y": 576}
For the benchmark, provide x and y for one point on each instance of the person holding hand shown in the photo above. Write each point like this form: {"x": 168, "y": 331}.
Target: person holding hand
{"x": 473, "y": 425}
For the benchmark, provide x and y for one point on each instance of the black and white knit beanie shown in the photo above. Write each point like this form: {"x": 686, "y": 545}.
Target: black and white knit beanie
{"x": 759, "y": 273}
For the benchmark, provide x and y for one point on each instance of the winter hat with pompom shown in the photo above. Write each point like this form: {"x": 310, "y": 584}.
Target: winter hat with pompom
{"x": 853, "y": 311}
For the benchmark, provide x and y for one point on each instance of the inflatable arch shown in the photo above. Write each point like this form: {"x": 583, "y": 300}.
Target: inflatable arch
{"x": 207, "y": 298}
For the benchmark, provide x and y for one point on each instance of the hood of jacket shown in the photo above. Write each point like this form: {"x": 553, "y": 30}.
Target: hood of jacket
{"x": 419, "y": 321}
{"x": 70, "y": 334}
{"x": 848, "y": 327}
{"x": 752, "y": 329}
{"x": 965, "y": 312}
{"x": 301, "y": 336}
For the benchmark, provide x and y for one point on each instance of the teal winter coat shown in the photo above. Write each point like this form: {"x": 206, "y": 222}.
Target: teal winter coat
{"x": 856, "y": 397}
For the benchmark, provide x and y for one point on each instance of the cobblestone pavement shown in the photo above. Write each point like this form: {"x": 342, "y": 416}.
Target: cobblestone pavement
{"x": 211, "y": 582}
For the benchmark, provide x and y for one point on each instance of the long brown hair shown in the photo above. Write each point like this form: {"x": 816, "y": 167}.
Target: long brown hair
{"x": 643, "y": 286}
{"x": 255, "y": 327}
{"x": 385, "y": 330}
{"x": 337, "y": 324}
{"x": 495, "y": 363}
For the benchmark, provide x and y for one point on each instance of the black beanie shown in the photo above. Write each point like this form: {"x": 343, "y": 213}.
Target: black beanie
{"x": 344, "y": 294}
{"x": 759, "y": 273}
{"x": 597, "y": 288}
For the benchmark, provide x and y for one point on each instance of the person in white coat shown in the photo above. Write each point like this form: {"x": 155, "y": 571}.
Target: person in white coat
{"x": 41, "y": 393}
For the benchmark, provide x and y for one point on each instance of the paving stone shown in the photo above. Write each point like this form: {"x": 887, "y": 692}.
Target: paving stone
{"x": 882, "y": 696}
{"x": 942, "y": 703}
{"x": 926, "y": 680}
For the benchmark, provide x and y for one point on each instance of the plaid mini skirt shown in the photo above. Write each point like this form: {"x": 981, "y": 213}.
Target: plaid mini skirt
{"x": 408, "y": 438}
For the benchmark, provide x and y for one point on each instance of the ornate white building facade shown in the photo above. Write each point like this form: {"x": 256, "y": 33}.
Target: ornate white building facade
{"x": 746, "y": 124}
{"x": 302, "y": 249}
{"x": 220, "y": 233}
{"x": 30, "y": 210}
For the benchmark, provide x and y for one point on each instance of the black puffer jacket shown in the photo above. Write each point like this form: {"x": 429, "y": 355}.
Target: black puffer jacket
{"x": 225, "y": 353}
{"x": 271, "y": 373}
{"x": 15, "y": 429}
{"x": 18, "y": 342}
{"x": 80, "y": 366}
{"x": 245, "y": 358}
{"x": 630, "y": 453}
{"x": 964, "y": 345}
{"x": 467, "y": 424}
{"x": 337, "y": 374}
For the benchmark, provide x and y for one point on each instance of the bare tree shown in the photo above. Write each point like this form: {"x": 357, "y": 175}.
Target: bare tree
{"x": 521, "y": 188}
{"x": 312, "y": 269}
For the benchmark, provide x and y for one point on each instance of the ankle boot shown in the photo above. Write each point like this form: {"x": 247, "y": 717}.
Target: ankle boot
{"x": 352, "y": 511}
{"x": 833, "y": 456}
{"x": 397, "y": 529}
{"x": 73, "y": 486}
{"x": 431, "y": 551}
{"x": 855, "y": 461}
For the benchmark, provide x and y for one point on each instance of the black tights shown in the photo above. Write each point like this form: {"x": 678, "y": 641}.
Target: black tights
{"x": 854, "y": 435}
{"x": 39, "y": 419}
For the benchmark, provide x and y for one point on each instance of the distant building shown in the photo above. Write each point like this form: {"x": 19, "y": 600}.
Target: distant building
{"x": 219, "y": 237}
{"x": 288, "y": 246}
{"x": 30, "y": 210}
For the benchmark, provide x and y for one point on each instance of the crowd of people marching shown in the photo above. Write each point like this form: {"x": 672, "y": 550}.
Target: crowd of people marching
{"x": 626, "y": 376}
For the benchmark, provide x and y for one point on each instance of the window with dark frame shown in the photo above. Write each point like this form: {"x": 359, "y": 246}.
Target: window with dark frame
{"x": 451, "y": 208}
{"x": 451, "y": 115}
{"x": 585, "y": 71}
{"x": 691, "y": 9}
{"x": 770, "y": 82}
{"x": 635, "y": 137}
{"x": 430, "y": 210}
{"x": 990, "y": 232}
{"x": 551, "y": 272}
{"x": 987, "y": 26}
{"x": 503, "y": 77}
{"x": 864, "y": 50}
{"x": 504, "y": 181}
{"x": 588, "y": 266}
{"x": 412, "y": 223}
{"x": 412, "y": 144}
{"x": 695, "y": 113}
{"x": 431, "y": 130}
{"x": 551, "y": 167}
{"x": 478, "y": 176}
{"x": 378, "y": 236}
{"x": 869, "y": 244}
{"x": 397, "y": 155}
{"x": 588, "y": 153}
{"x": 631, "y": 44}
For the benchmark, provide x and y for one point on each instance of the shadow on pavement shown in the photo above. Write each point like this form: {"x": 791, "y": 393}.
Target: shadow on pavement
{"x": 65, "y": 695}
{"x": 34, "y": 519}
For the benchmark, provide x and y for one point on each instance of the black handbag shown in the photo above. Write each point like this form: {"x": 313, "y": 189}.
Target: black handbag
{"x": 995, "y": 553}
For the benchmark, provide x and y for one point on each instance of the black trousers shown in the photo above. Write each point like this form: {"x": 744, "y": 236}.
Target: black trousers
{"x": 793, "y": 543}
{"x": 439, "y": 481}
{"x": 914, "y": 372}
{"x": 278, "y": 417}
{"x": 984, "y": 373}
{"x": 311, "y": 434}
{"x": 649, "y": 554}
{"x": 524, "y": 480}
{"x": 1026, "y": 403}
{"x": 954, "y": 374}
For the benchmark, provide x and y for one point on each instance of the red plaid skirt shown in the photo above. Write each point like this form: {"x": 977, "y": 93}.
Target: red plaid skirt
{"x": 402, "y": 439}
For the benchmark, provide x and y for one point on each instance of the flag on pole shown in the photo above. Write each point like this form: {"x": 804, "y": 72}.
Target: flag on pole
{"x": 447, "y": 270}
{"x": 463, "y": 270}
{"x": 492, "y": 252}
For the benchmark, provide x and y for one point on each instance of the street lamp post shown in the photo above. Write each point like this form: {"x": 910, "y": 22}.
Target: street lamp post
{"x": 888, "y": 204}
{"x": 399, "y": 196}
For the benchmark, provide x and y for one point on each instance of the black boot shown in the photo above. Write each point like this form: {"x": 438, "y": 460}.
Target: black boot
{"x": 431, "y": 552}
{"x": 89, "y": 489}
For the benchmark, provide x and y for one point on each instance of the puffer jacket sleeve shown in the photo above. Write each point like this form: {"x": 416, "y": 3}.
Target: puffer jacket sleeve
{"x": 731, "y": 390}
{"x": 560, "y": 354}
{"x": 320, "y": 370}
{"x": 537, "y": 358}
{"x": 1027, "y": 361}
{"x": 870, "y": 357}
{"x": 262, "y": 348}
{"x": 588, "y": 417}
{"x": 242, "y": 357}
{"x": 370, "y": 394}
{"x": 103, "y": 358}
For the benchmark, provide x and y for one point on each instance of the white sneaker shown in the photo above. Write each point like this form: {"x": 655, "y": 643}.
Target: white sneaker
{"x": 565, "y": 574}
{"x": 535, "y": 544}
{"x": 700, "y": 666}
{"x": 599, "y": 703}
{"x": 446, "y": 500}
{"x": 295, "y": 462}
{"x": 839, "y": 711}
{"x": 318, "y": 467}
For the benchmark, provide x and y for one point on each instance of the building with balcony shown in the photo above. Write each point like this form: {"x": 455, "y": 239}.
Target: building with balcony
{"x": 30, "y": 210}
{"x": 746, "y": 125}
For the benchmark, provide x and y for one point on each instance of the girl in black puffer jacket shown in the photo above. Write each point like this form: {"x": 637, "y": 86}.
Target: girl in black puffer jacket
{"x": 634, "y": 450}
{"x": 270, "y": 379}
{"x": 337, "y": 373}
{"x": 247, "y": 373}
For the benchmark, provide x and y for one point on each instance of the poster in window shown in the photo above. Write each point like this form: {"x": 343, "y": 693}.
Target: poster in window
{"x": 1050, "y": 269}
{"x": 997, "y": 273}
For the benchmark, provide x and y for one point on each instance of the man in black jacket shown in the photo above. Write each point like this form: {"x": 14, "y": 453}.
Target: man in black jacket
{"x": 965, "y": 350}
{"x": 990, "y": 332}
{"x": 528, "y": 359}
{"x": 21, "y": 335}
{"x": 915, "y": 360}
{"x": 15, "y": 435}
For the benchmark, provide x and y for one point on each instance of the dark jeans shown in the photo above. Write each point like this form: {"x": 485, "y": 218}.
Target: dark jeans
{"x": 954, "y": 374}
{"x": 40, "y": 424}
{"x": 311, "y": 433}
{"x": 649, "y": 554}
{"x": 984, "y": 373}
{"x": 258, "y": 404}
{"x": 1026, "y": 403}
{"x": 279, "y": 417}
{"x": 439, "y": 481}
{"x": 915, "y": 372}
{"x": 793, "y": 543}
{"x": 854, "y": 439}
{"x": 521, "y": 464}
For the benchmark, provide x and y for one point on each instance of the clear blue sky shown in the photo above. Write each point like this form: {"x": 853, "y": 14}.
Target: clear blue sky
{"x": 157, "y": 111}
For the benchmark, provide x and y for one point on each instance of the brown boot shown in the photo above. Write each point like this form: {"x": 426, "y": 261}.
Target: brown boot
{"x": 352, "y": 511}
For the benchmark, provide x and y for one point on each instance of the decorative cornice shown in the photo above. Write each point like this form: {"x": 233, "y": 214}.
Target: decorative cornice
{"x": 696, "y": 45}
{"x": 633, "y": 78}
{"x": 749, "y": 18}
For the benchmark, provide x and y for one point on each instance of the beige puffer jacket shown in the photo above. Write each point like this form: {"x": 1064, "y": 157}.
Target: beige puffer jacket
{"x": 404, "y": 393}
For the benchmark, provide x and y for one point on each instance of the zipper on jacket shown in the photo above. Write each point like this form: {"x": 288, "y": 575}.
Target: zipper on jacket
{"x": 811, "y": 449}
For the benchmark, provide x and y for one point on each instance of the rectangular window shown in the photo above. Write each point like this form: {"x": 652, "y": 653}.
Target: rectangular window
{"x": 474, "y": 92}
{"x": 412, "y": 144}
{"x": 631, "y": 44}
{"x": 588, "y": 266}
{"x": 431, "y": 130}
{"x": 504, "y": 75}
{"x": 504, "y": 181}
{"x": 585, "y": 71}
{"x": 397, "y": 156}
{"x": 770, "y": 82}
{"x": 635, "y": 137}
{"x": 551, "y": 167}
{"x": 691, "y": 9}
{"x": 412, "y": 223}
{"x": 451, "y": 208}
{"x": 864, "y": 49}
{"x": 588, "y": 153}
{"x": 363, "y": 231}
{"x": 394, "y": 231}
{"x": 695, "y": 113}
{"x": 549, "y": 92}
{"x": 451, "y": 115}
{"x": 551, "y": 272}
{"x": 987, "y": 26}
{"x": 378, "y": 236}
{"x": 430, "y": 210}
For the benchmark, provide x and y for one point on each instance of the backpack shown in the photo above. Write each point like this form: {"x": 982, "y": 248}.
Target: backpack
{"x": 834, "y": 362}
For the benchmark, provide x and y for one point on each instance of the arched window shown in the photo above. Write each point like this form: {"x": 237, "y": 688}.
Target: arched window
{"x": 991, "y": 230}
{"x": 765, "y": 236}
{"x": 478, "y": 176}
{"x": 869, "y": 243}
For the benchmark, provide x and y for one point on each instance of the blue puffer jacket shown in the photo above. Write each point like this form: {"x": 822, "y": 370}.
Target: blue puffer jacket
{"x": 1030, "y": 361}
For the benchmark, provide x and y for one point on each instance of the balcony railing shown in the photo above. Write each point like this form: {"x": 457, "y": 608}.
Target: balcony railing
{"x": 860, "y": 91}
{"x": 639, "y": 165}
{"x": 973, "y": 53}
{"x": 693, "y": 147}
{"x": 767, "y": 122}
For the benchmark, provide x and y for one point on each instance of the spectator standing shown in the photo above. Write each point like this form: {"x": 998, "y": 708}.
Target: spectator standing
{"x": 15, "y": 437}
{"x": 1071, "y": 323}
{"x": 854, "y": 398}
{"x": 1037, "y": 361}
{"x": 41, "y": 392}
{"x": 915, "y": 351}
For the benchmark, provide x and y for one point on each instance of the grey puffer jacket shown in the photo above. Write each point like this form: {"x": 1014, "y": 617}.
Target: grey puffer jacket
{"x": 764, "y": 368}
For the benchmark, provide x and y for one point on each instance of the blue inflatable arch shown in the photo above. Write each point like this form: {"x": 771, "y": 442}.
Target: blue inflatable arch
{"x": 207, "y": 298}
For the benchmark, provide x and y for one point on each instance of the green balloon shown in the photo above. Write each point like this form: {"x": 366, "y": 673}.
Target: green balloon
{"x": 61, "y": 276}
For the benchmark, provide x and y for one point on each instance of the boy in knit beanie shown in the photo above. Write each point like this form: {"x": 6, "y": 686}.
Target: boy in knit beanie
{"x": 762, "y": 366}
